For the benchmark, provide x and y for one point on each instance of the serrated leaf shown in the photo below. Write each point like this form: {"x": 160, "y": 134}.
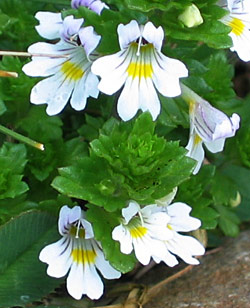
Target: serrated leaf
{"x": 12, "y": 163}
{"x": 21, "y": 273}
{"x": 89, "y": 181}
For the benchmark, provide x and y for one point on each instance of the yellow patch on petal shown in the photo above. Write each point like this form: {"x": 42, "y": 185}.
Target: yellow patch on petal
{"x": 141, "y": 70}
{"x": 192, "y": 104}
{"x": 170, "y": 228}
{"x": 197, "y": 139}
{"x": 72, "y": 71}
{"x": 83, "y": 256}
{"x": 237, "y": 26}
{"x": 138, "y": 232}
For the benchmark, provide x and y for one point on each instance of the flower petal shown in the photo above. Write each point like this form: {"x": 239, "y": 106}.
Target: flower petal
{"x": 180, "y": 219}
{"x": 128, "y": 102}
{"x": 153, "y": 35}
{"x": 50, "y": 24}
{"x": 130, "y": 211}
{"x": 186, "y": 247}
{"x": 71, "y": 27}
{"x": 128, "y": 33}
{"x": 195, "y": 151}
{"x": 148, "y": 98}
{"x": 112, "y": 70}
{"x": 121, "y": 234}
{"x": 167, "y": 258}
{"x": 57, "y": 256}
{"x": 43, "y": 66}
{"x": 104, "y": 267}
{"x": 83, "y": 279}
{"x": 52, "y": 91}
{"x": 216, "y": 145}
{"x": 142, "y": 247}
{"x": 166, "y": 74}
{"x": 89, "y": 39}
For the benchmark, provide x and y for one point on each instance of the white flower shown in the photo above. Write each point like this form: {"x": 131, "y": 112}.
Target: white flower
{"x": 79, "y": 253}
{"x": 70, "y": 76}
{"x": 239, "y": 20}
{"x": 144, "y": 232}
{"x": 208, "y": 125}
{"x": 94, "y": 5}
{"x": 183, "y": 246}
{"x": 152, "y": 232}
{"x": 140, "y": 67}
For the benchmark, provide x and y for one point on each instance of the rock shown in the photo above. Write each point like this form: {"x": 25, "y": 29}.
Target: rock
{"x": 221, "y": 281}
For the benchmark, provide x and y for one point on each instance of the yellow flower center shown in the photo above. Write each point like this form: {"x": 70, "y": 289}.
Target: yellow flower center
{"x": 72, "y": 71}
{"x": 141, "y": 68}
{"x": 83, "y": 256}
{"x": 138, "y": 232}
{"x": 237, "y": 26}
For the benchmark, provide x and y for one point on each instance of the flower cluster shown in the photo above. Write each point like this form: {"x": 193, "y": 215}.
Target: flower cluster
{"x": 152, "y": 231}
{"x": 139, "y": 66}
{"x": 75, "y": 71}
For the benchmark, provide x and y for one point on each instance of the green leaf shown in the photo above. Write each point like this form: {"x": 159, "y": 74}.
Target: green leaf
{"x": 89, "y": 180}
{"x": 12, "y": 163}
{"x": 21, "y": 273}
{"x": 228, "y": 221}
{"x": 223, "y": 189}
{"x": 241, "y": 177}
{"x": 127, "y": 161}
{"x": 12, "y": 207}
{"x": 2, "y": 107}
{"x": 103, "y": 224}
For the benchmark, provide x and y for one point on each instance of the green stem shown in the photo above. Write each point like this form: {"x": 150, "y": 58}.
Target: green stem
{"x": 189, "y": 95}
{"x": 28, "y": 54}
{"x": 21, "y": 138}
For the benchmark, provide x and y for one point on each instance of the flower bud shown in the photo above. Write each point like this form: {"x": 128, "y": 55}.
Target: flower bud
{"x": 191, "y": 17}
{"x": 236, "y": 201}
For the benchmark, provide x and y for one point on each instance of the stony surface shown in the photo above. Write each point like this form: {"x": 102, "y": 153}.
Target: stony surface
{"x": 221, "y": 281}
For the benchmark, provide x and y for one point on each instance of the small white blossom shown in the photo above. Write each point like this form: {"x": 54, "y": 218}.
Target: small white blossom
{"x": 153, "y": 232}
{"x": 140, "y": 67}
{"x": 239, "y": 20}
{"x": 69, "y": 77}
{"x": 78, "y": 253}
{"x": 144, "y": 232}
{"x": 94, "y": 5}
{"x": 208, "y": 125}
